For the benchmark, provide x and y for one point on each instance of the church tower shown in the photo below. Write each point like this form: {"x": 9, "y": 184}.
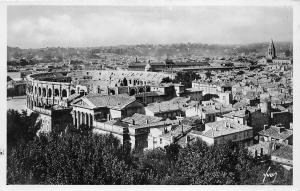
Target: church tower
{"x": 271, "y": 51}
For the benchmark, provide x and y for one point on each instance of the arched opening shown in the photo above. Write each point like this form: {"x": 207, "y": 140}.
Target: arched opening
{"x": 56, "y": 92}
{"x": 49, "y": 92}
{"x": 141, "y": 90}
{"x": 132, "y": 92}
{"x": 44, "y": 92}
{"x": 35, "y": 90}
{"x": 125, "y": 83}
{"x": 64, "y": 93}
{"x": 72, "y": 92}
{"x": 81, "y": 92}
{"x": 112, "y": 92}
{"x": 148, "y": 89}
{"x": 40, "y": 91}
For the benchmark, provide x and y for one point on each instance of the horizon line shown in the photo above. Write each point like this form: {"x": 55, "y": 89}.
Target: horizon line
{"x": 107, "y": 46}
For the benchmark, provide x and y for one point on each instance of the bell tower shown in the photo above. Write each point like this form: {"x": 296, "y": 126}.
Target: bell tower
{"x": 271, "y": 54}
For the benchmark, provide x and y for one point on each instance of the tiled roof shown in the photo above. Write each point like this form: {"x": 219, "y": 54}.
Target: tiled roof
{"x": 238, "y": 113}
{"x": 111, "y": 101}
{"x": 224, "y": 127}
{"x": 216, "y": 109}
{"x": 179, "y": 130}
{"x": 274, "y": 132}
{"x": 190, "y": 121}
{"x": 285, "y": 152}
{"x": 174, "y": 104}
{"x": 73, "y": 97}
{"x": 149, "y": 94}
{"x": 141, "y": 119}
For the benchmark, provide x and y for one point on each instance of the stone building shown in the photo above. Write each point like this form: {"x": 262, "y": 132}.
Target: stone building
{"x": 97, "y": 107}
{"x": 220, "y": 132}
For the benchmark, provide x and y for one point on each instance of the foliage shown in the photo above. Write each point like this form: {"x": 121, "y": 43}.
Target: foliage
{"x": 75, "y": 157}
{"x": 21, "y": 127}
{"x": 186, "y": 78}
{"x": 69, "y": 159}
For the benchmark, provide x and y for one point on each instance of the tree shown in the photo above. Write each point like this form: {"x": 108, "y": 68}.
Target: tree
{"x": 186, "y": 78}
{"x": 21, "y": 127}
{"x": 69, "y": 159}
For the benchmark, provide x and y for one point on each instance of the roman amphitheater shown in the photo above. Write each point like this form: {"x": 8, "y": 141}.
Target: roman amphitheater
{"x": 49, "y": 89}
{"x": 51, "y": 94}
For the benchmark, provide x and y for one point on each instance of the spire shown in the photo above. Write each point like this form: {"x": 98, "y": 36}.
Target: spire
{"x": 271, "y": 50}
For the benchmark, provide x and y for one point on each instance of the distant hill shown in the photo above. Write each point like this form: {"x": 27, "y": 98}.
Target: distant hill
{"x": 58, "y": 53}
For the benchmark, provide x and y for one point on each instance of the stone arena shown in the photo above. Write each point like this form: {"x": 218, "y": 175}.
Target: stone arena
{"x": 52, "y": 93}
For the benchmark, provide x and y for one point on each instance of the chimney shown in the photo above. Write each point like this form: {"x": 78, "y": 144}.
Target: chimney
{"x": 187, "y": 140}
{"x": 281, "y": 129}
{"x": 227, "y": 124}
{"x": 261, "y": 151}
{"x": 182, "y": 129}
{"x": 265, "y": 127}
{"x": 108, "y": 117}
{"x": 147, "y": 121}
{"x": 172, "y": 139}
{"x": 133, "y": 122}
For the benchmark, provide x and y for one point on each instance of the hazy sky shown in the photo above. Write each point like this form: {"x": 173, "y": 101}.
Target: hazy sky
{"x": 81, "y": 26}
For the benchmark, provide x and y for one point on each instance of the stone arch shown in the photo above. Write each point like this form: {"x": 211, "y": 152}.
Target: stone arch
{"x": 40, "y": 91}
{"x": 64, "y": 93}
{"x": 141, "y": 90}
{"x": 112, "y": 92}
{"x": 132, "y": 92}
{"x": 81, "y": 92}
{"x": 44, "y": 92}
{"x": 56, "y": 92}
{"x": 35, "y": 90}
{"x": 125, "y": 82}
{"x": 49, "y": 92}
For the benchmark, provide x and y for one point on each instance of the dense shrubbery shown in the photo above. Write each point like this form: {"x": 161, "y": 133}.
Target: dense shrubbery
{"x": 185, "y": 78}
{"x": 21, "y": 127}
{"x": 79, "y": 157}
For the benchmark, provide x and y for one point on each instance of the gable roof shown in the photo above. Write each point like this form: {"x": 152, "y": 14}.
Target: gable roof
{"x": 224, "y": 127}
{"x": 141, "y": 119}
{"x": 274, "y": 132}
{"x": 111, "y": 101}
{"x": 285, "y": 152}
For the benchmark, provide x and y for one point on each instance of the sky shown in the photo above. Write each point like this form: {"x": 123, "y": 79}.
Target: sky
{"x": 91, "y": 26}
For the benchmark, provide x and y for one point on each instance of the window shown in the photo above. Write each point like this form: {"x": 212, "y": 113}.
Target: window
{"x": 160, "y": 141}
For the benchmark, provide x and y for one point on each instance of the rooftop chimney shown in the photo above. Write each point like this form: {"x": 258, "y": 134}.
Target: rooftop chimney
{"x": 281, "y": 129}
{"x": 133, "y": 122}
{"x": 108, "y": 117}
